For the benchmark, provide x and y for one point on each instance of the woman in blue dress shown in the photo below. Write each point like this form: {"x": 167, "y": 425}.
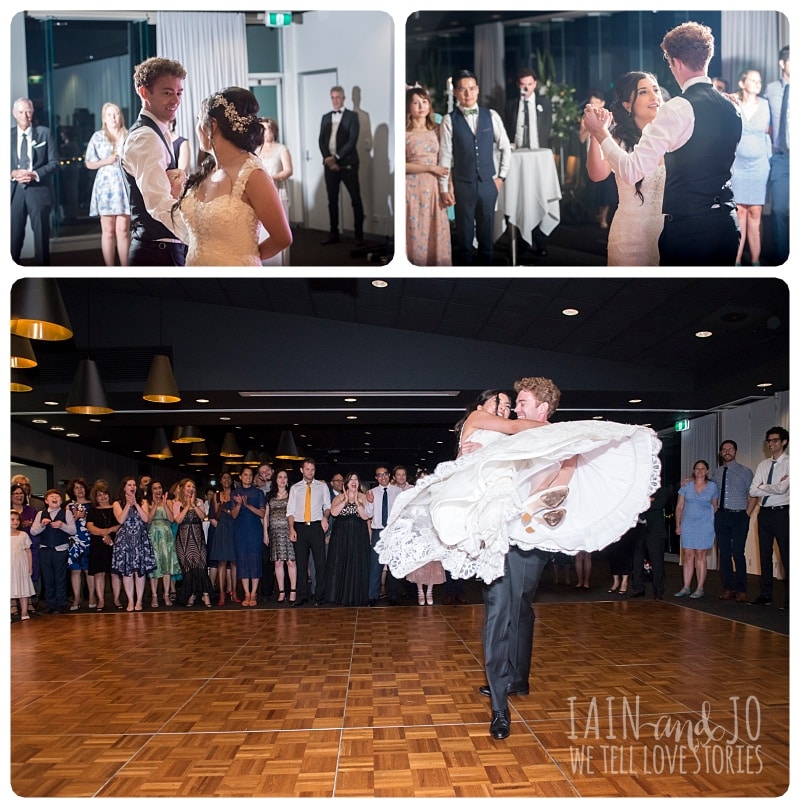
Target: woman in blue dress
{"x": 248, "y": 533}
{"x": 109, "y": 195}
{"x": 79, "y": 505}
{"x": 133, "y": 556}
{"x": 694, "y": 523}
{"x": 750, "y": 169}
{"x": 223, "y": 551}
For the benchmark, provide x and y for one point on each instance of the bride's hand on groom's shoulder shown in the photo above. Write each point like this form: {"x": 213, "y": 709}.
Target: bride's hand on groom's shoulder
{"x": 177, "y": 179}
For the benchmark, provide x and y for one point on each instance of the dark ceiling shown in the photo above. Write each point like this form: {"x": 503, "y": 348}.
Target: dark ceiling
{"x": 626, "y": 330}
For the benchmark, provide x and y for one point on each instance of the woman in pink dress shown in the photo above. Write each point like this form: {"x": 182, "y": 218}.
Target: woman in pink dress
{"x": 427, "y": 225}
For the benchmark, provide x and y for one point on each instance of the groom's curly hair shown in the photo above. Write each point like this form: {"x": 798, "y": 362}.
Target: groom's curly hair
{"x": 152, "y": 69}
{"x": 544, "y": 391}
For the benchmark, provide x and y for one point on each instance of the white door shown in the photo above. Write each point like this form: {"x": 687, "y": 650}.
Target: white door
{"x": 315, "y": 101}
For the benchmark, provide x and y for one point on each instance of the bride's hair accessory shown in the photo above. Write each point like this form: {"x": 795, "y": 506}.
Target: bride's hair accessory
{"x": 239, "y": 123}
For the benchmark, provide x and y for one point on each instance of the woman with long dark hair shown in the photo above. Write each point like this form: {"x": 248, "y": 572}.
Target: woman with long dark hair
{"x": 223, "y": 202}
{"x": 637, "y": 224}
{"x": 133, "y": 556}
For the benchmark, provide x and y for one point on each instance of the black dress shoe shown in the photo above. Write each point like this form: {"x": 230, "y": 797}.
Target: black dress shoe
{"x": 500, "y": 727}
{"x": 299, "y": 602}
{"x": 485, "y": 690}
{"x": 372, "y": 602}
{"x": 333, "y": 238}
{"x": 761, "y": 600}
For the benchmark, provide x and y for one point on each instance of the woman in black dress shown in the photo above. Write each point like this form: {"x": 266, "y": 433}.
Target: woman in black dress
{"x": 102, "y": 526}
{"x": 349, "y": 549}
{"x": 190, "y": 545}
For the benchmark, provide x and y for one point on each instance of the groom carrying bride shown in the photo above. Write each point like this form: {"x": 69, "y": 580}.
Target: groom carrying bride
{"x": 696, "y": 133}
{"x": 147, "y": 154}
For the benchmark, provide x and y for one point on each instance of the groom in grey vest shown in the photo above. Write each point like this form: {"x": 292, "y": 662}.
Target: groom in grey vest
{"x": 157, "y": 239}
{"x": 696, "y": 133}
{"x": 468, "y": 135}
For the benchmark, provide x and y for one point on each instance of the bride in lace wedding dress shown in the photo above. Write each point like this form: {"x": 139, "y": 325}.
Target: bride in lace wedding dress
{"x": 637, "y": 223}
{"x": 230, "y": 194}
{"x": 563, "y": 487}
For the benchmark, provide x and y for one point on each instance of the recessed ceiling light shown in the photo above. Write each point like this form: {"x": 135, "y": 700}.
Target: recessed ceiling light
{"x": 764, "y": 384}
{"x": 105, "y": 441}
{"x": 570, "y": 312}
{"x": 224, "y": 418}
{"x": 96, "y": 420}
{"x": 703, "y": 334}
{"x": 73, "y": 435}
{"x": 367, "y": 443}
{"x": 634, "y": 401}
{"x": 351, "y": 400}
{"x": 352, "y": 417}
{"x": 202, "y": 400}
{"x": 39, "y": 421}
{"x": 51, "y": 403}
{"x": 380, "y": 284}
{"x": 57, "y": 428}
{"x": 597, "y": 417}
{"x": 137, "y": 451}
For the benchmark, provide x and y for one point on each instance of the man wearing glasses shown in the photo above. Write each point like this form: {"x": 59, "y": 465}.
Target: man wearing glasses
{"x": 696, "y": 135}
{"x": 379, "y": 505}
{"x": 771, "y": 484}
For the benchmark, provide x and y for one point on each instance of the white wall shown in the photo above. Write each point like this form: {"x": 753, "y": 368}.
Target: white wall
{"x": 360, "y": 46}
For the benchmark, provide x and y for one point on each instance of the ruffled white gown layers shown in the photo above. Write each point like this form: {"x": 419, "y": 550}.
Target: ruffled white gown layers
{"x": 469, "y": 511}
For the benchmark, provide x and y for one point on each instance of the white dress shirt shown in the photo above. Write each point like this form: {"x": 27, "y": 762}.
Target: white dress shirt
{"x": 146, "y": 159}
{"x": 375, "y": 508}
{"x": 320, "y": 501}
{"x": 778, "y": 489}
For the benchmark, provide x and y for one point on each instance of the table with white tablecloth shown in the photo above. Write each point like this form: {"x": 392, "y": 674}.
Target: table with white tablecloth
{"x": 530, "y": 196}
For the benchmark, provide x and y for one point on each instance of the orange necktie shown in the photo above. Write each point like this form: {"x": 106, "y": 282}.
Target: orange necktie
{"x": 307, "y": 511}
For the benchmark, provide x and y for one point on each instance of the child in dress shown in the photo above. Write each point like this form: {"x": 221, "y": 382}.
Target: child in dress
{"x": 21, "y": 566}
{"x": 428, "y": 575}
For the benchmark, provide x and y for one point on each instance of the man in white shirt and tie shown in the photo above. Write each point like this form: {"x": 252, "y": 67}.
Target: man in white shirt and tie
{"x": 308, "y": 511}
{"x": 771, "y": 484}
{"x": 529, "y": 120}
{"x": 379, "y": 505}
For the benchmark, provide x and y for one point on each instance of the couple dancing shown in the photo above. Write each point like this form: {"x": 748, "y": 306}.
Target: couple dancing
{"x": 672, "y": 161}
{"x": 518, "y": 491}
{"x": 216, "y": 211}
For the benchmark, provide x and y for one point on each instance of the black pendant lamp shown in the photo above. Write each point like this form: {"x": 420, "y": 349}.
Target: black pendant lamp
{"x": 22, "y": 355}
{"x": 161, "y": 387}
{"x": 160, "y": 450}
{"x": 19, "y": 384}
{"x": 287, "y": 448}
{"x": 229, "y": 447}
{"x": 38, "y": 311}
{"x": 87, "y": 396}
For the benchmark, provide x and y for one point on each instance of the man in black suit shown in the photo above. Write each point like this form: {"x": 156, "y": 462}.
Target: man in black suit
{"x": 338, "y": 136}
{"x": 34, "y": 157}
{"x": 528, "y": 120}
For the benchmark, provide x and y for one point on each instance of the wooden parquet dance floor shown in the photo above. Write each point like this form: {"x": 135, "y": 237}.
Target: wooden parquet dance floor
{"x": 633, "y": 698}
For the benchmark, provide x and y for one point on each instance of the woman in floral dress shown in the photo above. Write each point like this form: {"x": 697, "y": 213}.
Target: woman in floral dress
{"x": 427, "y": 225}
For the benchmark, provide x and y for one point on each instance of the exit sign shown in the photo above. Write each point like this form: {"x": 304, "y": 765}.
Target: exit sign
{"x": 276, "y": 19}
{"x": 681, "y": 426}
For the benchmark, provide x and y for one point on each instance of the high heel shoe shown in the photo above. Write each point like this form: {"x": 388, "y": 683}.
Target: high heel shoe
{"x": 206, "y": 600}
{"x": 292, "y": 597}
{"x": 547, "y": 499}
{"x": 281, "y": 596}
{"x": 232, "y": 596}
{"x": 221, "y": 601}
{"x": 548, "y": 518}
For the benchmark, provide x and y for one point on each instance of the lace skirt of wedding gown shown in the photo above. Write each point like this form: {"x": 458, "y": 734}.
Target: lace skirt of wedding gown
{"x": 637, "y": 224}
{"x": 469, "y": 511}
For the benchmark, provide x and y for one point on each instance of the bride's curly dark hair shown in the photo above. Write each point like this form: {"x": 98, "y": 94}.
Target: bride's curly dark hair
{"x": 235, "y": 111}
{"x": 625, "y": 128}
